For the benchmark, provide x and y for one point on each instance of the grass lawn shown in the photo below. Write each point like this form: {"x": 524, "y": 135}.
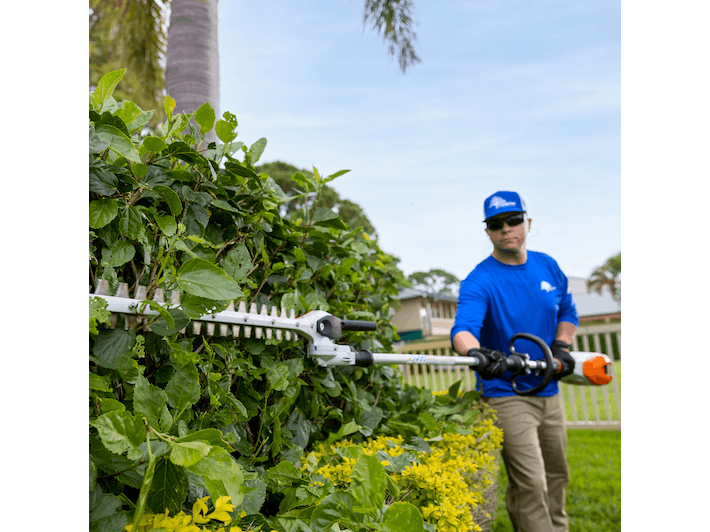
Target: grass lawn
{"x": 594, "y": 491}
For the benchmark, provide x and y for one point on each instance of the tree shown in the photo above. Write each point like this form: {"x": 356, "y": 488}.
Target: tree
{"x": 192, "y": 58}
{"x": 132, "y": 34}
{"x": 435, "y": 281}
{"x": 288, "y": 177}
{"x": 607, "y": 276}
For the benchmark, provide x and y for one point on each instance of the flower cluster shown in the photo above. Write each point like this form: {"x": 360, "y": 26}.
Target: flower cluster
{"x": 446, "y": 484}
{"x": 189, "y": 523}
{"x": 339, "y": 466}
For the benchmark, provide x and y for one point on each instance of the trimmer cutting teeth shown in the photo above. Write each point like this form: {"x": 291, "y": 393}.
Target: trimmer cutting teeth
{"x": 321, "y": 329}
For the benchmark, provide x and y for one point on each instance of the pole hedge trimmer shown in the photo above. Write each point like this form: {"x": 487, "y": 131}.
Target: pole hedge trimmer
{"x": 322, "y": 329}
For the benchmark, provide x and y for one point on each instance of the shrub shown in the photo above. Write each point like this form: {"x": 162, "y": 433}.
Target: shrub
{"x": 177, "y": 415}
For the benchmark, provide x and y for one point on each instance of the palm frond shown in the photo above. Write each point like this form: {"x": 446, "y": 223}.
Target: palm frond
{"x": 394, "y": 20}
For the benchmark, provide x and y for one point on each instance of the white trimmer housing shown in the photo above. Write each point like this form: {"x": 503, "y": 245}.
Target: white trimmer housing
{"x": 589, "y": 369}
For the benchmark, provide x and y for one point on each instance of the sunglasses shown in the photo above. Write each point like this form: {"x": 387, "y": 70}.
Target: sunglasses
{"x": 512, "y": 221}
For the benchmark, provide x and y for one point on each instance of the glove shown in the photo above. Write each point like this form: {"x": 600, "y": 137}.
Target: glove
{"x": 560, "y": 351}
{"x": 493, "y": 363}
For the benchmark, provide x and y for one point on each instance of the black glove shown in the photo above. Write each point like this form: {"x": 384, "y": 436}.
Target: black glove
{"x": 560, "y": 351}
{"x": 493, "y": 363}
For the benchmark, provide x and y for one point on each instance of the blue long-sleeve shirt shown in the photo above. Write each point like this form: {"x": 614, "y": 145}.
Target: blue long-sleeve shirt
{"x": 497, "y": 300}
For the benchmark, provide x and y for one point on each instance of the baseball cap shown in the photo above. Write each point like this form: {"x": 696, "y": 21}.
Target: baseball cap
{"x": 502, "y": 201}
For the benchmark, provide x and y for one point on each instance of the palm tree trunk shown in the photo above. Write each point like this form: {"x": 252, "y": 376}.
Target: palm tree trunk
{"x": 192, "y": 59}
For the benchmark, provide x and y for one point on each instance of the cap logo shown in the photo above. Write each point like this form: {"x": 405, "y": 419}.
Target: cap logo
{"x": 498, "y": 202}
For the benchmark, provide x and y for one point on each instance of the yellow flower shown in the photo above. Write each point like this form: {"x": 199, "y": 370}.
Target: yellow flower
{"x": 199, "y": 509}
{"x": 221, "y": 509}
{"x": 385, "y": 463}
{"x": 220, "y": 515}
{"x": 223, "y": 503}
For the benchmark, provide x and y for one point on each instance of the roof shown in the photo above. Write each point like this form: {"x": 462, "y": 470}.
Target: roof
{"x": 411, "y": 293}
{"x": 588, "y": 303}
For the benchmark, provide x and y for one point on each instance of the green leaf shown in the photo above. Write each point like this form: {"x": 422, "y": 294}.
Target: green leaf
{"x": 205, "y": 117}
{"x": 224, "y": 205}
{"x": 218, "y": 464}
{"x": 403, "y": 517}
{"x": 222, "y": 475}
{"x": 189, "y": 453}
{"x": 99, "y": 383}
{"x": 225, "y": 131}
{"x": 118, "y": 142}
{"x": 118, "y": 254}
{"x": 211, "y": 436}
{"x": 140, "y": 121}
{"x": 183, "y": 389}
{"x": 195, "y": 307}
{"x": 335, "y": 508}
{"x": 240, "y": 170}
{"x": 104, "y": 89}
{"x": 93, "y": 474}
{"x": 101, "y": 181}
{"x": 202, "y": 278}
{"x": 166, "y": 223}
{"x": 454, "y": 389}
{"x": 107, "y": 506}
{"x": 101, "y": 212}
{"x": 120, "y": 431}
{"x": 150, "y": 402}
{"x": 256, "y": 150}
{"x": 97, "y": 314}
{"x": 128, "y": 112}
{"x": 111, "y": 346}
{"x": 110, "y": 405}
{"x": 283, "y": 474}
{"x": 325, "y": 217}
{"x": 154, "y": 144}
{"x": 278, "y": 377}
{"x": 237, "y": 263}
{"x": 139, "y": 170}
{"x": 170, "y": 197}
{"x": 162, "y": 327}
{"x": 369, "y": 482}
{"x": 130, "y": 223}
{"x": 96, "y": 145}
{"x": 304, "y": 182}
{"x": 255, "y": 497}
{"x": 169, "y": 488}
{"x": 349, "y": 428}
{"x": 183, "y": 152}
{"x": 333, "y": 176}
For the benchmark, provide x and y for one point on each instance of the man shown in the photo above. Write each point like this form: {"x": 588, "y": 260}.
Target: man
{"x": 516, "y": 290}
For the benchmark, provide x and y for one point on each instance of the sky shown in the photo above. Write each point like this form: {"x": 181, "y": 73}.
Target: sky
{"x": 510, "y": 95}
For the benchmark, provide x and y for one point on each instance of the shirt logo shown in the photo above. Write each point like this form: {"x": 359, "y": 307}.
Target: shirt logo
{"x": 498, "y": 202}
{"x": 547, "y": 287}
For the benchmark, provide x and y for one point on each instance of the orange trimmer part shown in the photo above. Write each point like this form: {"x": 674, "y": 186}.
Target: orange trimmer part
{"x": 595, "y": 370}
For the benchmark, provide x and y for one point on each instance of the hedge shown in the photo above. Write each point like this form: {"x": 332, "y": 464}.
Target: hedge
{"x": 178, "y": 419}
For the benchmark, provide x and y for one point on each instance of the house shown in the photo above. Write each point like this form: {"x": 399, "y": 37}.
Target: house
{"x": 425, "y": 315}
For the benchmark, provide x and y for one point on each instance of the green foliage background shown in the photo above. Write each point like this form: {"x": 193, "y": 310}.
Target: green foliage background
{"x": 196, "y": 413}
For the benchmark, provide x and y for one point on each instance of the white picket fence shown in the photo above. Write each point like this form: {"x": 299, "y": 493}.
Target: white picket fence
{"x": 597, "y": 407}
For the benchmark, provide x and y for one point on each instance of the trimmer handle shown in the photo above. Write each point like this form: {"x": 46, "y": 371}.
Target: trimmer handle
{"x": 332, "y": 327}
{"x": 358, "y": 325}
{"x": 550, "y": 364}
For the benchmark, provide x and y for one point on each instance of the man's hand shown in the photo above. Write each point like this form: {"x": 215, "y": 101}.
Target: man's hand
{"x": 560, "y": 351}
{"x": 493, "y": 363}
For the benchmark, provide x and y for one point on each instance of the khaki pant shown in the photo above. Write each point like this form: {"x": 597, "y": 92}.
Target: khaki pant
{"x": 534, "y": 453}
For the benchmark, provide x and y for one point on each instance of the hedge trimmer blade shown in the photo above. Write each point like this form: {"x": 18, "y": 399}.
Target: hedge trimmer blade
{"x": 321, "y": 329}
